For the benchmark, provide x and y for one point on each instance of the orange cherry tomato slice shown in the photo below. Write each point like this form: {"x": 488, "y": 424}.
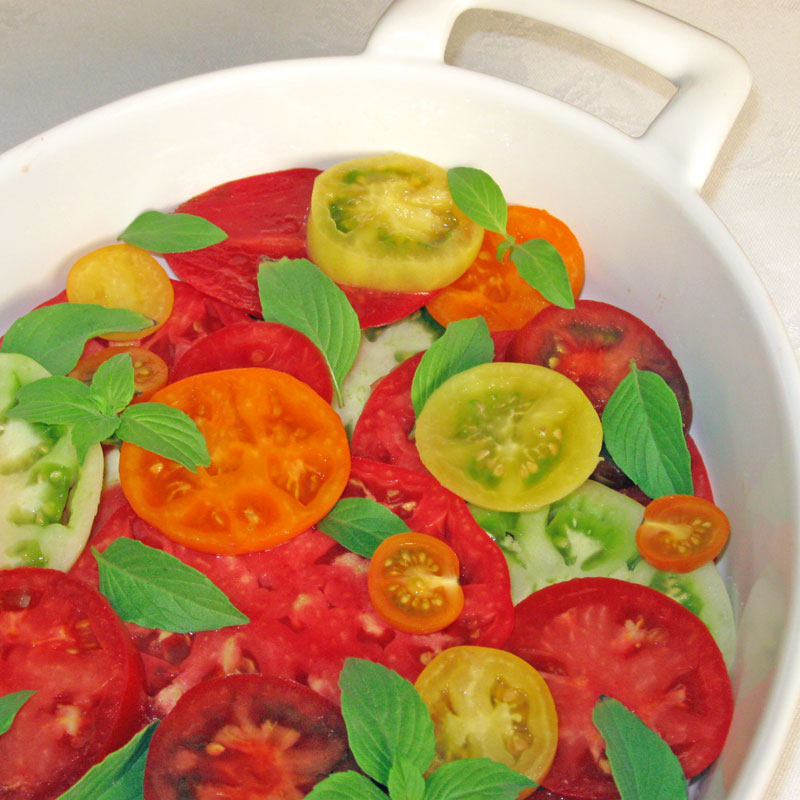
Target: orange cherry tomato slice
{"x": 123, "y": 276}
{"x": 413, "y": 583}
{"x": 149, "y": 370}
{"x": 494, "y": 289}
{"x": 681, "y": 532}
{"x": 279, "y": 462}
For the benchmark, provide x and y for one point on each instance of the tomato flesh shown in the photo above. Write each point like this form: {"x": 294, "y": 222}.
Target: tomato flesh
{"x": 149, "y": 370}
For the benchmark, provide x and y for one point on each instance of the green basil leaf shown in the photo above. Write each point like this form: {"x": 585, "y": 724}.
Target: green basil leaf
{"x": 476, "y": 779}
{"x": 479, "y": 197}
{"x": 92, "y": 430}
{"x": 385, "y": 718}
{"x": 296, "y": 293}
{"x": 166, "y": 431}
{"x": 119, "y": 776}
{"x": 642, "y": 764}
{"x": 643, "y": 432}
{"x": 172, "y": 233}
{"x": 466, "y": 343}
{"x": 361, "y": 524}
{"x": 113, "y": 384}
{"x": 54, "y": 401}
{"x": 406, "y": 781}
{"x": 10, "y": 704}
{"x": 55, "y": 335}
{"x": 540, "y": 265}
{"x": 346, "y": 786}
{"x": 157, "y": 590}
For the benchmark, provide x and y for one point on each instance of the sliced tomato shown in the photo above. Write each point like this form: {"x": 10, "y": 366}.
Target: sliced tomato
{"x": 489, "y": 703}
{"x": 681, "y": 532}
{"x": 279, "y": 462}
{"x": 375, "y": 307}
{"x": 590, "y": 637}
{"x": 258, "y": 344}
{"x": 413, "y": 583}
{"x": 494, "y": 289}
{"x": 265, "y": 219}
{"x": 62, "y": 640}
{"x": 246, "y": 736}
{"x": 149, "y": 370}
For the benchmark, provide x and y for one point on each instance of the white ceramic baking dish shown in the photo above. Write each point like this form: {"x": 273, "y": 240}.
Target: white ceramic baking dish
{"x": 652, "y": 246}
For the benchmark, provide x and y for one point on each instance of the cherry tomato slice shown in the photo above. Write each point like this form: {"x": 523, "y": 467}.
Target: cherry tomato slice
{"x": 681, "y": 532}
{"x": 488, "y": 703}
{"x": 149, "y": 370}
{"x": 122, "y": 276}
{"x": 279, "y": 461}
{"x": 590, "y": 637}
{"x": 413, "y": 582}
{"x": 246, "y": 736}
{"x": 494, "y": 289}
{"x": 62, "y": 640}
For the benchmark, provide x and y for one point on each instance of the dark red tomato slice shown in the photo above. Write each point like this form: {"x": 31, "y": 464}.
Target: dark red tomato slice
{"x": 258, "y": 344}
{"x": 63, "y": 640}
{"x": 593, "y": 344}
{"x": 600, "y": 636}
{"x": 246, "y": 736}
{"x": 265, "y": 219}
{"x": 375, "y": 307}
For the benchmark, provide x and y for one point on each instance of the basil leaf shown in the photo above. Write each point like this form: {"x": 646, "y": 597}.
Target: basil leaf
{"x": 172, "y": 233}
{"x": 157, "y": 590}
{"x": 642, "y": 764}
{"x": 541, "y": 266}
{"x": 166, "y": 431}
{"x": 643, "y": 432}
{"x": 361, "y": 524}
{"x": 406, "y": 781}
{"x": 119, "y": 776}
{"x": 113, "y": 384}
{"x": 476, "y": 779}
{"x": 10, "y": 704}
{"x": 54, "y": 401}
{"x": 466, "y": 343}
{"x": 296, "y": 293}
{"x": 346, "y": 786}
{"x": 55, "y": 335}
{"x": 477, "y": 194}
{"x": 385, "y": 718}
{"x": 91, "y": 431}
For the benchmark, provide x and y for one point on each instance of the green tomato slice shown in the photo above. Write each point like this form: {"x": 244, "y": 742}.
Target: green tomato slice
{"x": 47, "y": 499}
{"x": 509, "y": 437}
{"x": 389, "y": 222}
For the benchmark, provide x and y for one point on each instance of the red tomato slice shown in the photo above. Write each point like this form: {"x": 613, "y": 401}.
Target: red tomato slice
{"x": 265, "y": 219}
{"x": 63, "y": 640}
{"x": 600, "y": 636}
{"x": 258, "y": 344}
{"x": 375, "y": 307}
{"x": 246, "y": 736}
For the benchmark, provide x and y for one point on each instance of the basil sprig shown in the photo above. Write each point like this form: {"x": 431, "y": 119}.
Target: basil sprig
{"x": 101, "y": 411}
{"x": 10, "y": 704}
{"x": 537, "y": 261}
{"x": 172, "y": 233}
{"x": 643, "y": 432}
{"x": 360, "y": 524}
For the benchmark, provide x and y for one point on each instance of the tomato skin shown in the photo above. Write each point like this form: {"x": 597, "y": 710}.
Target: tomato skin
{"x": 601, "y": 636}
{"x": 63, "y": 640}
{"x": 375, "y": 307}
{"x": 494, "y": 289}
{"x": 246, "y": 736}
{"x": 413, "y": 583}
{"x": 149, "y": 370}
{"x": 680, "y": 532}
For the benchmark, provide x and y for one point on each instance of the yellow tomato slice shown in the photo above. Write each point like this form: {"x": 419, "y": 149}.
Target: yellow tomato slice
{"x": 510, "y": 437}
{"x": 488, "y": 703}
{"x": 389, "y": 222}
{"x": 122, "y": 276}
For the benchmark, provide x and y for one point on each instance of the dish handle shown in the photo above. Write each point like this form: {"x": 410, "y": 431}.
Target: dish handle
{"x": 712, "y": 79}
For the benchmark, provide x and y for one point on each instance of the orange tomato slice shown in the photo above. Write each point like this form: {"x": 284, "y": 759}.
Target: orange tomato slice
{"x": 149, "y": 370}
{"x": 279, "y": 462}
{"x": 494, "y": 289}
{"x": 681, "y": 532}
{"x": 413, "y": 583}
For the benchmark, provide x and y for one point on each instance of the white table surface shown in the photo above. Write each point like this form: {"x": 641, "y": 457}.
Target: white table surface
{"x": 59, "y": 58}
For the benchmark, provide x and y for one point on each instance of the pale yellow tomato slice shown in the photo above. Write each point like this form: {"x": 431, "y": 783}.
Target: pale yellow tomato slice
{"x": 509, "y": 437}
{"x": 122, "y": 276}
{"x": 389, "y": 222}
{"x": 488, "y": 703}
